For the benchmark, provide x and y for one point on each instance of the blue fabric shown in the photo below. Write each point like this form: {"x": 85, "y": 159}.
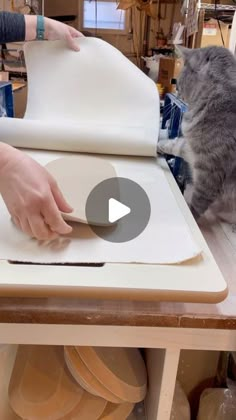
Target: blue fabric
{"x": 12, "y": 27}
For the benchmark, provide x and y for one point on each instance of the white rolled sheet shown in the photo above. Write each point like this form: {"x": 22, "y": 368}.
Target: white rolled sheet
{"x": 94, "y": 101}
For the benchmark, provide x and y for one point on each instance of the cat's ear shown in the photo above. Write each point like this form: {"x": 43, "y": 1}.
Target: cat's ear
{"x": 204, "y": 69}
{"x": 182, "y": 52}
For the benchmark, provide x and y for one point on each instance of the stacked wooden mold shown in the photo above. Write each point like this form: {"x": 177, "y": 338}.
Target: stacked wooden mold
{"x": 76, "y": 383}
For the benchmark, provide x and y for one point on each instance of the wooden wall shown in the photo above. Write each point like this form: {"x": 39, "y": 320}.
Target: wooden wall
{"x": 132, "y": 43}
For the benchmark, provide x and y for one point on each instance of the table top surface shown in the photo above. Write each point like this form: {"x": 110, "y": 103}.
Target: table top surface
{"x": 130, "y": 313}
{"x": 196, "y": 280}
{"x": 62, "y": 310}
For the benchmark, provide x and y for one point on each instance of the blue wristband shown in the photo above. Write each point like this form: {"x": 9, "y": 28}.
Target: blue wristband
{"x": 40, "y": 30}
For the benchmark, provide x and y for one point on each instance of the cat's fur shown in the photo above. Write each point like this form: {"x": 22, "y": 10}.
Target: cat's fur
{"x": 207, "y": 84}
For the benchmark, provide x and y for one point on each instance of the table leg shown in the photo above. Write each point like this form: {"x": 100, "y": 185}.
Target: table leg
{"x": 162, "y": 366}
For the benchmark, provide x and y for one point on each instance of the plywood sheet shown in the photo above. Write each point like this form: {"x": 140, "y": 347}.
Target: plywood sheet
{"x": 85, "y": 377}
{"x": 41, "y": 386}
{"x": 121, "y": 369}
{"x": 117, "y": 411}
{"x": 89, "y": 407}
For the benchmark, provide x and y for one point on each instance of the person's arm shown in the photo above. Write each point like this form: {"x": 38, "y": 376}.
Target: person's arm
{"x": 15, "y": 27}
{"x": 12, "y": 27}
{"x": 53, "y": 30}
{"x": 31, "y": 195}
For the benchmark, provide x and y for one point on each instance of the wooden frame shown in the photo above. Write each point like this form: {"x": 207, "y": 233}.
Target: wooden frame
{"x": 102, "y": 30}
{"x": 162, "y": 345}
{"x": 198, "y": 37}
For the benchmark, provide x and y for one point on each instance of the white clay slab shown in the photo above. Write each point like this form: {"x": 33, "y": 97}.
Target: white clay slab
{"x": 85, "y": 378}
{"x": 77, "y": 176}
{"x": 41, "y": 386}
{"x": 89, "y": 407}
{"x": 121, "y": 370}
{"x": 117, "y": 411}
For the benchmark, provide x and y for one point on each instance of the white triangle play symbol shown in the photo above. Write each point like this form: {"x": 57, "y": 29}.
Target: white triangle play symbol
{"x": 117, "y": 210}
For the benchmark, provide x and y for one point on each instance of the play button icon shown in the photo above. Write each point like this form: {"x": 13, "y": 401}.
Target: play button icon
{"x": 121, "y": 208}
{"x": 117, "y": 210}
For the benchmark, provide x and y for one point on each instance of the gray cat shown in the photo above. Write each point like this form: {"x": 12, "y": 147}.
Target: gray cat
{"x": 207, "y": 84}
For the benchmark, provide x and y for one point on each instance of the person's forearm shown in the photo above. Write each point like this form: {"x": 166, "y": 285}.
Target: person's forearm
{"x": 6, "y": 152}
{"x": 31, "y": 25}
{"x": 16, "y": 27}
{"x": 12, "y": 27}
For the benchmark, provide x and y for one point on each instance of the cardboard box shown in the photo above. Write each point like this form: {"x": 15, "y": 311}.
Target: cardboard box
{"x": 211, "y": 34}
{"x": 4, "y": 76}
{"x": 169, "y": 69}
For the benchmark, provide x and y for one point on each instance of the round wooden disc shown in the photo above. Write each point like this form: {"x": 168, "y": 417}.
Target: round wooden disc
{"x": 85, "y": 378}
{"x": 121, "y": 370}
{"x": 77, "y": 176}
{"x": 117, "y": 411}
{"x": 90, "y": 407}
{"x": 7, "y": 358}
{"x": 41, "y": 386}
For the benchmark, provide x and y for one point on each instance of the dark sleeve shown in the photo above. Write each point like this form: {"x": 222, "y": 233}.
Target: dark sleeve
{"x": 12, "y": 27}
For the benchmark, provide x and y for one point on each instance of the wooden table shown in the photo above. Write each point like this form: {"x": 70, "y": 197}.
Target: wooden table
{"x": 162, "y": 328}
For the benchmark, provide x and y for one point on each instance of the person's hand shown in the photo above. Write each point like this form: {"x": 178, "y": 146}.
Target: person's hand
{"x": 31, "y": 195}
{"x": 56, "y": 30}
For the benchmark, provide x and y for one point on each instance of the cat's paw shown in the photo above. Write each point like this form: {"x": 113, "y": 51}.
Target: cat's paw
{"x": 163, "y": 146}
{"x": 195, "y": 214}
